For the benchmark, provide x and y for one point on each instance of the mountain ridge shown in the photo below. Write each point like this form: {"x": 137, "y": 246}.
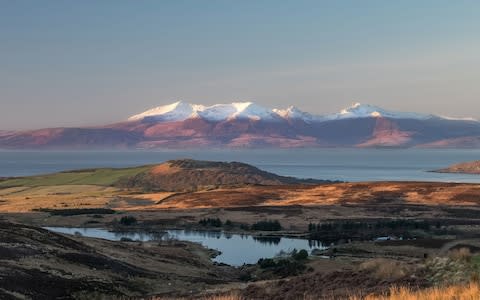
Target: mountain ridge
{"x": 248, "y": 125}
{"x": 180, "y": 111}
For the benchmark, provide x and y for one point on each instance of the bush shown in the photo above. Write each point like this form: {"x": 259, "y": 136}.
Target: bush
{"x": 245, "y": 276}
{"x": 283, "y": 267}
{"x": 128, "y": 220}
{"x": 266, "y": 263}
{"x": 300, "y": 255}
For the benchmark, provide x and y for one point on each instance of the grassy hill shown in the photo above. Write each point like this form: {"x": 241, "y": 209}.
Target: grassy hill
{"x": 103, "y": 177}
{"x": 191, "y": 175}
{"x": 174, "y": 175}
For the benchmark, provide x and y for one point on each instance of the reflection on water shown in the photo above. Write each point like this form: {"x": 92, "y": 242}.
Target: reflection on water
{"x": 270, "y": 240}
{"x": 316, "y": 244}
{"x": 236, "y": 249}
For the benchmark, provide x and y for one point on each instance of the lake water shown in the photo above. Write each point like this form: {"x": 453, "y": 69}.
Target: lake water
{"x": 235, "y": 249}
{"x": 333, "y": 164}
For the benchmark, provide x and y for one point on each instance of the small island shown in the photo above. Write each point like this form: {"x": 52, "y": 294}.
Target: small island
{"x": 472, "y": 167}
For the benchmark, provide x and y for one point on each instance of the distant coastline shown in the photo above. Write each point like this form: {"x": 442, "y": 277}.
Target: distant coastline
{"x": 472, "y": 167}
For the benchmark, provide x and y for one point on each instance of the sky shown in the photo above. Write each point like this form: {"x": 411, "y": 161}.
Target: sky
{"x": 76, "y": 63}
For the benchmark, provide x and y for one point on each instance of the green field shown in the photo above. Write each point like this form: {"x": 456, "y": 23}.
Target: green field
{"x": 103, "y": 177}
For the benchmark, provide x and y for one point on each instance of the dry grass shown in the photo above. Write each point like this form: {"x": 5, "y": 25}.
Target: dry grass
{"x": 77, "y": 191}
{"x": 61, "y": 196}
{"x": 383, "y": 268}
{"x": 462, "y": 254}
{"x": 457, "y": 292}
{"x": 217, "y": 297}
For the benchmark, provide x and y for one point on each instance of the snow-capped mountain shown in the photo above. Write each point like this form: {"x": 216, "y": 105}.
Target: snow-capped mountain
{"x": 180, "y": 111}
{"x": 293, "y": 113}
{"x": 246, "y": 124}
{"x": 177, "y": 111}
{"x": 358, "y": 110}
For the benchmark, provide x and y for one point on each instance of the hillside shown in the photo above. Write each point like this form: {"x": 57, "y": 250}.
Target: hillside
{"x": 472, "y": 167}
{"x": 191, "y": 175}
{"x": 101, "y": 177}
{"x": 39, "y": 264}
{"x": 172, "y": 176}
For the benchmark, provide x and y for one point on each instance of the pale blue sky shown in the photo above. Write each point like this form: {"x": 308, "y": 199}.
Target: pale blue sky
{"x": 95, "y": 62}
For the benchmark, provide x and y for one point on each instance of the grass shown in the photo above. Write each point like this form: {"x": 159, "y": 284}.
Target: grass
{"x": 103, "y": 177}
{"x": 476, "y": 261}
{"x": 456, "y": 292}
{"x": 77, "y": 211}
{"x": 383, "y": 268}
{"x": 25, "y": 199}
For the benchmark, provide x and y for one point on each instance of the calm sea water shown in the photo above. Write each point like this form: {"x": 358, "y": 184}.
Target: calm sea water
{"x": 235, "y": 249}
{"x": 334, "y": 164}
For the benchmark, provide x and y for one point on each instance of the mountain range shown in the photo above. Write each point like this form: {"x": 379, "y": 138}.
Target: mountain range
{"x": 249, "y": 125}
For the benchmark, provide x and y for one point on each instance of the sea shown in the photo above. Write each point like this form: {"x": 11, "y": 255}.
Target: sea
{"x": 331, "y": 164}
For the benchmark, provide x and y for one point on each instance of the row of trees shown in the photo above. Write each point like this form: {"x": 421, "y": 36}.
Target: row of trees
{"x": 265, "y": 225}
{"x": 377, "y": 224}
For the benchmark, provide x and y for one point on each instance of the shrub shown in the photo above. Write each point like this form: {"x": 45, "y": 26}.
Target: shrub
{"x": 266, "y": 263}
{"x": 283, "y": 267}
{"x": 245, "y": 276}
{"x": 300, "y": 255}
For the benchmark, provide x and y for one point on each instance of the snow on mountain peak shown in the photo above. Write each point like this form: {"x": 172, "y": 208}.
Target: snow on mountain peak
{"x": 241, "y": 106}
{"x": 359, "y": 110}
{"x": 180, "y": 111}
{"x": 293, "y": 113}
{"x": 250, "y": 110}
{"x": 172, "y": 112}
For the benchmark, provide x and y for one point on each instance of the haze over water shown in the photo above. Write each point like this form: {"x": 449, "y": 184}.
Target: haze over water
{"x": 332, "y": 164}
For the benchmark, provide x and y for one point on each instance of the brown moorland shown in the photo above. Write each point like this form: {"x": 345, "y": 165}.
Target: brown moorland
{"x": 98, "y": 198}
